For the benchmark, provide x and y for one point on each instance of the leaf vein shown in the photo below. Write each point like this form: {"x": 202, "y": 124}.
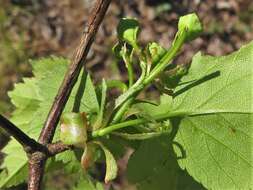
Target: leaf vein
{"x": 221, "y": 89}
{"x": 212, "y": 137}
{"x": 219, "y": 166}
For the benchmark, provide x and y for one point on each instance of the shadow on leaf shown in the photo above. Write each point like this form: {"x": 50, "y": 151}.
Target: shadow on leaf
{"x": 197, "y": 82}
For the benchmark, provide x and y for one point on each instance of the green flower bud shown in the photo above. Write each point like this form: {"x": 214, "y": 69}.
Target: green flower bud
{"x": 74, "y": 129}
{"x": 191, "y": 24}
{"x": 156, "y": 52}
{"x": 128, "y": 30}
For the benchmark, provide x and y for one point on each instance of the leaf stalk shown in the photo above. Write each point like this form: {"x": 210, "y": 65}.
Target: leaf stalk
{"x": 134, "y": 122}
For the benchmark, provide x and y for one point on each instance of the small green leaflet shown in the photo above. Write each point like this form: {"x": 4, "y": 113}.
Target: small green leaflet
{"x": 17, "y": 166}
{"x": 111, "y": 164}
{"x": 33, "y": 99}
{"x": 70, "y": 161}
{"x": 216, "y": 132}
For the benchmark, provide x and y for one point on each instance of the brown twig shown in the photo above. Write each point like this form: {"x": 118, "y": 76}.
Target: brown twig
{"x": 73, "y": 71}
{"x": 38, "y": 159}
{"x": 29, "y": 144}
{"x": 56, "y": 148}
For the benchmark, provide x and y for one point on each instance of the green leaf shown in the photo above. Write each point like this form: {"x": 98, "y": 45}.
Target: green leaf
{"x": 153, "y": 166}
{"x": 15, "y": 163}
{"x": 100, "y": 116}
{"x": 117, "y": 149}
{"x": 17, "y": 166}
{"x": 171, "y": 78}
{"x": 191, "y": 24}
{"x": 89, "y": 99}
{"x": 216, "y": 131}
{"x": 141, "y": 170}
{"x": 33, "y": 99}
{"x": 128, "y": 30}
{"x": 147, "y": 110}
{"x": 71, "y": 163}
{"x": 111, "y": 164}
{"x": 103, "y": 99}
{"x": 89, "y": 156}
{"x": 85, "y": 183}
{"x": 52, "y": 73}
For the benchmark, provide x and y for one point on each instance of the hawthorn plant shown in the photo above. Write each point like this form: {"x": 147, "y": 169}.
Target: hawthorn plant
{"x": 201, "y": 124}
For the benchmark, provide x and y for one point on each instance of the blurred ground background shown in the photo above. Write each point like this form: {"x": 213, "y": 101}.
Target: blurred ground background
{"x": 32, "y": 29}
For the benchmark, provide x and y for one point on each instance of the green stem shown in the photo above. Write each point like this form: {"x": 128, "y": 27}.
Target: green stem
{"x": 119, "y": 114}
{"x": 127, "y": 99}
{"x": 167, "y": 58}
{"x": 146, "y": 80}
{"x": 111, "y": 128}
{"x": 129, "y": 65}
{"x": 130, "y": 75}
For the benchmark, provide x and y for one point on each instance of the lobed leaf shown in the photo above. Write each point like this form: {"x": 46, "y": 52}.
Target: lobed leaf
{"x": 216, "y": 132}
{"x": 33, "y": 99}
